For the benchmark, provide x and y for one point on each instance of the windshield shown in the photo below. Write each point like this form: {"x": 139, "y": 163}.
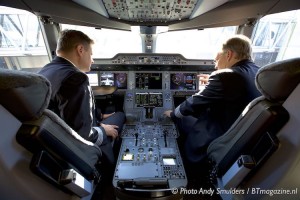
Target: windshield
{"x": 192, "y": 44}
{"x": 109, "y": 42}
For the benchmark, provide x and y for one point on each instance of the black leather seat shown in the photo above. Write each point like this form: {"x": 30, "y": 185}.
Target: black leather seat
{"x": 26, "y": 96}
{"x": 252, "y": 139}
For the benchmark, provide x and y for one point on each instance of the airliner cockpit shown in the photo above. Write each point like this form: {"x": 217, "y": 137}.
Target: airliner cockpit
{"x": 148, "y": 57}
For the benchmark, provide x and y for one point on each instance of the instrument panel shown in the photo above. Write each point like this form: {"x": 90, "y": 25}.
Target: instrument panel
{"x": 149, "y": 160}
{"x": 149, "y": 83}
{"x": 175, "y": 81}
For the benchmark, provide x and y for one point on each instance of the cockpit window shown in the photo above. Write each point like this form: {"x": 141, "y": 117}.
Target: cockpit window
{"x": 110, "y": 42}
{"x": 276, "y": 37}
{"x": 22, "y": 45}
{"x": 194, "y": 44}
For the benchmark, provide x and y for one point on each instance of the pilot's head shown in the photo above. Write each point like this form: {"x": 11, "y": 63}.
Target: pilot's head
{"x": 76, "y": 47}
{"x": 233, "y": 50}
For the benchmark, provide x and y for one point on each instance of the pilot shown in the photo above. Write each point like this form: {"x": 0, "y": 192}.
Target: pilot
{"x": 72, "y": 97}
{"x": 209, "y": 113}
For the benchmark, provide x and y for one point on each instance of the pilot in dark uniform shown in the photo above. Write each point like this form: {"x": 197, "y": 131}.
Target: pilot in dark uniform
{"x": 209, "y": 113}
{"x": 72, "y": 98}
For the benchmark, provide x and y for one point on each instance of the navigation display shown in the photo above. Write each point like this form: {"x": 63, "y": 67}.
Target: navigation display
{"x": 148, "y": 81}
{"x": 114, "y": 79}
{"x": 121, "y": 80}
{"x": 183, "y": 81}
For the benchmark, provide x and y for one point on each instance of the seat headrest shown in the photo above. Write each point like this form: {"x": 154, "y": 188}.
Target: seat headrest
{"x": 26, "y": 95}
{"x": 277, "y": 80}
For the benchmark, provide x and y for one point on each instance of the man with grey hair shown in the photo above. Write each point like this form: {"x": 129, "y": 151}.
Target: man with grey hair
{"x": 209, "y": 113}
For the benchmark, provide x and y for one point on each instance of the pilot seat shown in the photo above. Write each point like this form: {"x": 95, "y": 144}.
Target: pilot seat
{"x": 41, "y": 157}
{"x": 261, "y": 148}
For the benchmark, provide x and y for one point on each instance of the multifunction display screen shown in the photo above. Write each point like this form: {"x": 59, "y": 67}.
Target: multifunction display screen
{"x": 148, "y": 81}
{"x": 114, "y": 79}
{"x": 154, "y": 99}
{"x": 183, "y": 81}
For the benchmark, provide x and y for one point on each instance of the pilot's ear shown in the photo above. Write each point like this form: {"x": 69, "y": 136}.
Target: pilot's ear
{"x": 229, "y": 55}
{"x": 80, "y": 49}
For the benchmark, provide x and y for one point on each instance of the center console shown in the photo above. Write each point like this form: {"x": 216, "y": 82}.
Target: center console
{"x": 149, "y": 163}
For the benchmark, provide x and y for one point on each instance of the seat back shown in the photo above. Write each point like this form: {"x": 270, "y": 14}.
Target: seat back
{"x": 17, "y": 180}
{"x": 261, "y": 119}
{"x": 24, "y": 98}
{"x": 281, "y": 171}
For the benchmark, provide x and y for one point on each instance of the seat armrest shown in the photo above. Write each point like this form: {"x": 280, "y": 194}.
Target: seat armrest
{"x": 245, "y": 165}
{"x": 51, "y": 134}
{"x": 59, "y": 174}
{"x": 238, "y": 171}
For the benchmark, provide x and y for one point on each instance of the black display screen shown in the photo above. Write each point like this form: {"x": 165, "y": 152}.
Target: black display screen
{"x": 148, "y": 81}
{"x": 183, "y": 81}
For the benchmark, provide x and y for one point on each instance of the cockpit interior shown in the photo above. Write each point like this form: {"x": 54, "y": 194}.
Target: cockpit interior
{"x": 147, "y": 58}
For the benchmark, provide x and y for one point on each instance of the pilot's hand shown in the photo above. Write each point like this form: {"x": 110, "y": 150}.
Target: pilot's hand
{"x": 110, "y": 130}
{"x": 168, "y": 113}
{"x": 104, "y": 116}
{"x": 203, "y": 79}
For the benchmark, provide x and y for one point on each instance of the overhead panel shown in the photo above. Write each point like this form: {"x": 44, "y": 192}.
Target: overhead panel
{"x": 149, "y": 10}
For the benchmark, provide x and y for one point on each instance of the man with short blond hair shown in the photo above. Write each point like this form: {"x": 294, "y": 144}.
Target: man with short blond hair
{"x": 72, "y": 98}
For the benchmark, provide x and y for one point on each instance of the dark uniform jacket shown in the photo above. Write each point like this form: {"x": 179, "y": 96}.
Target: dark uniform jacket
{"x": 72, "y": 98}
{"x": 216, "y": 107}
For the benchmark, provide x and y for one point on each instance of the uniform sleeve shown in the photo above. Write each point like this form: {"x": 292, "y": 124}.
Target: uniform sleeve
{"x": 101, "y": 135}
{"x": 76, "y": 107}
{"x": 212, "y": 93}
